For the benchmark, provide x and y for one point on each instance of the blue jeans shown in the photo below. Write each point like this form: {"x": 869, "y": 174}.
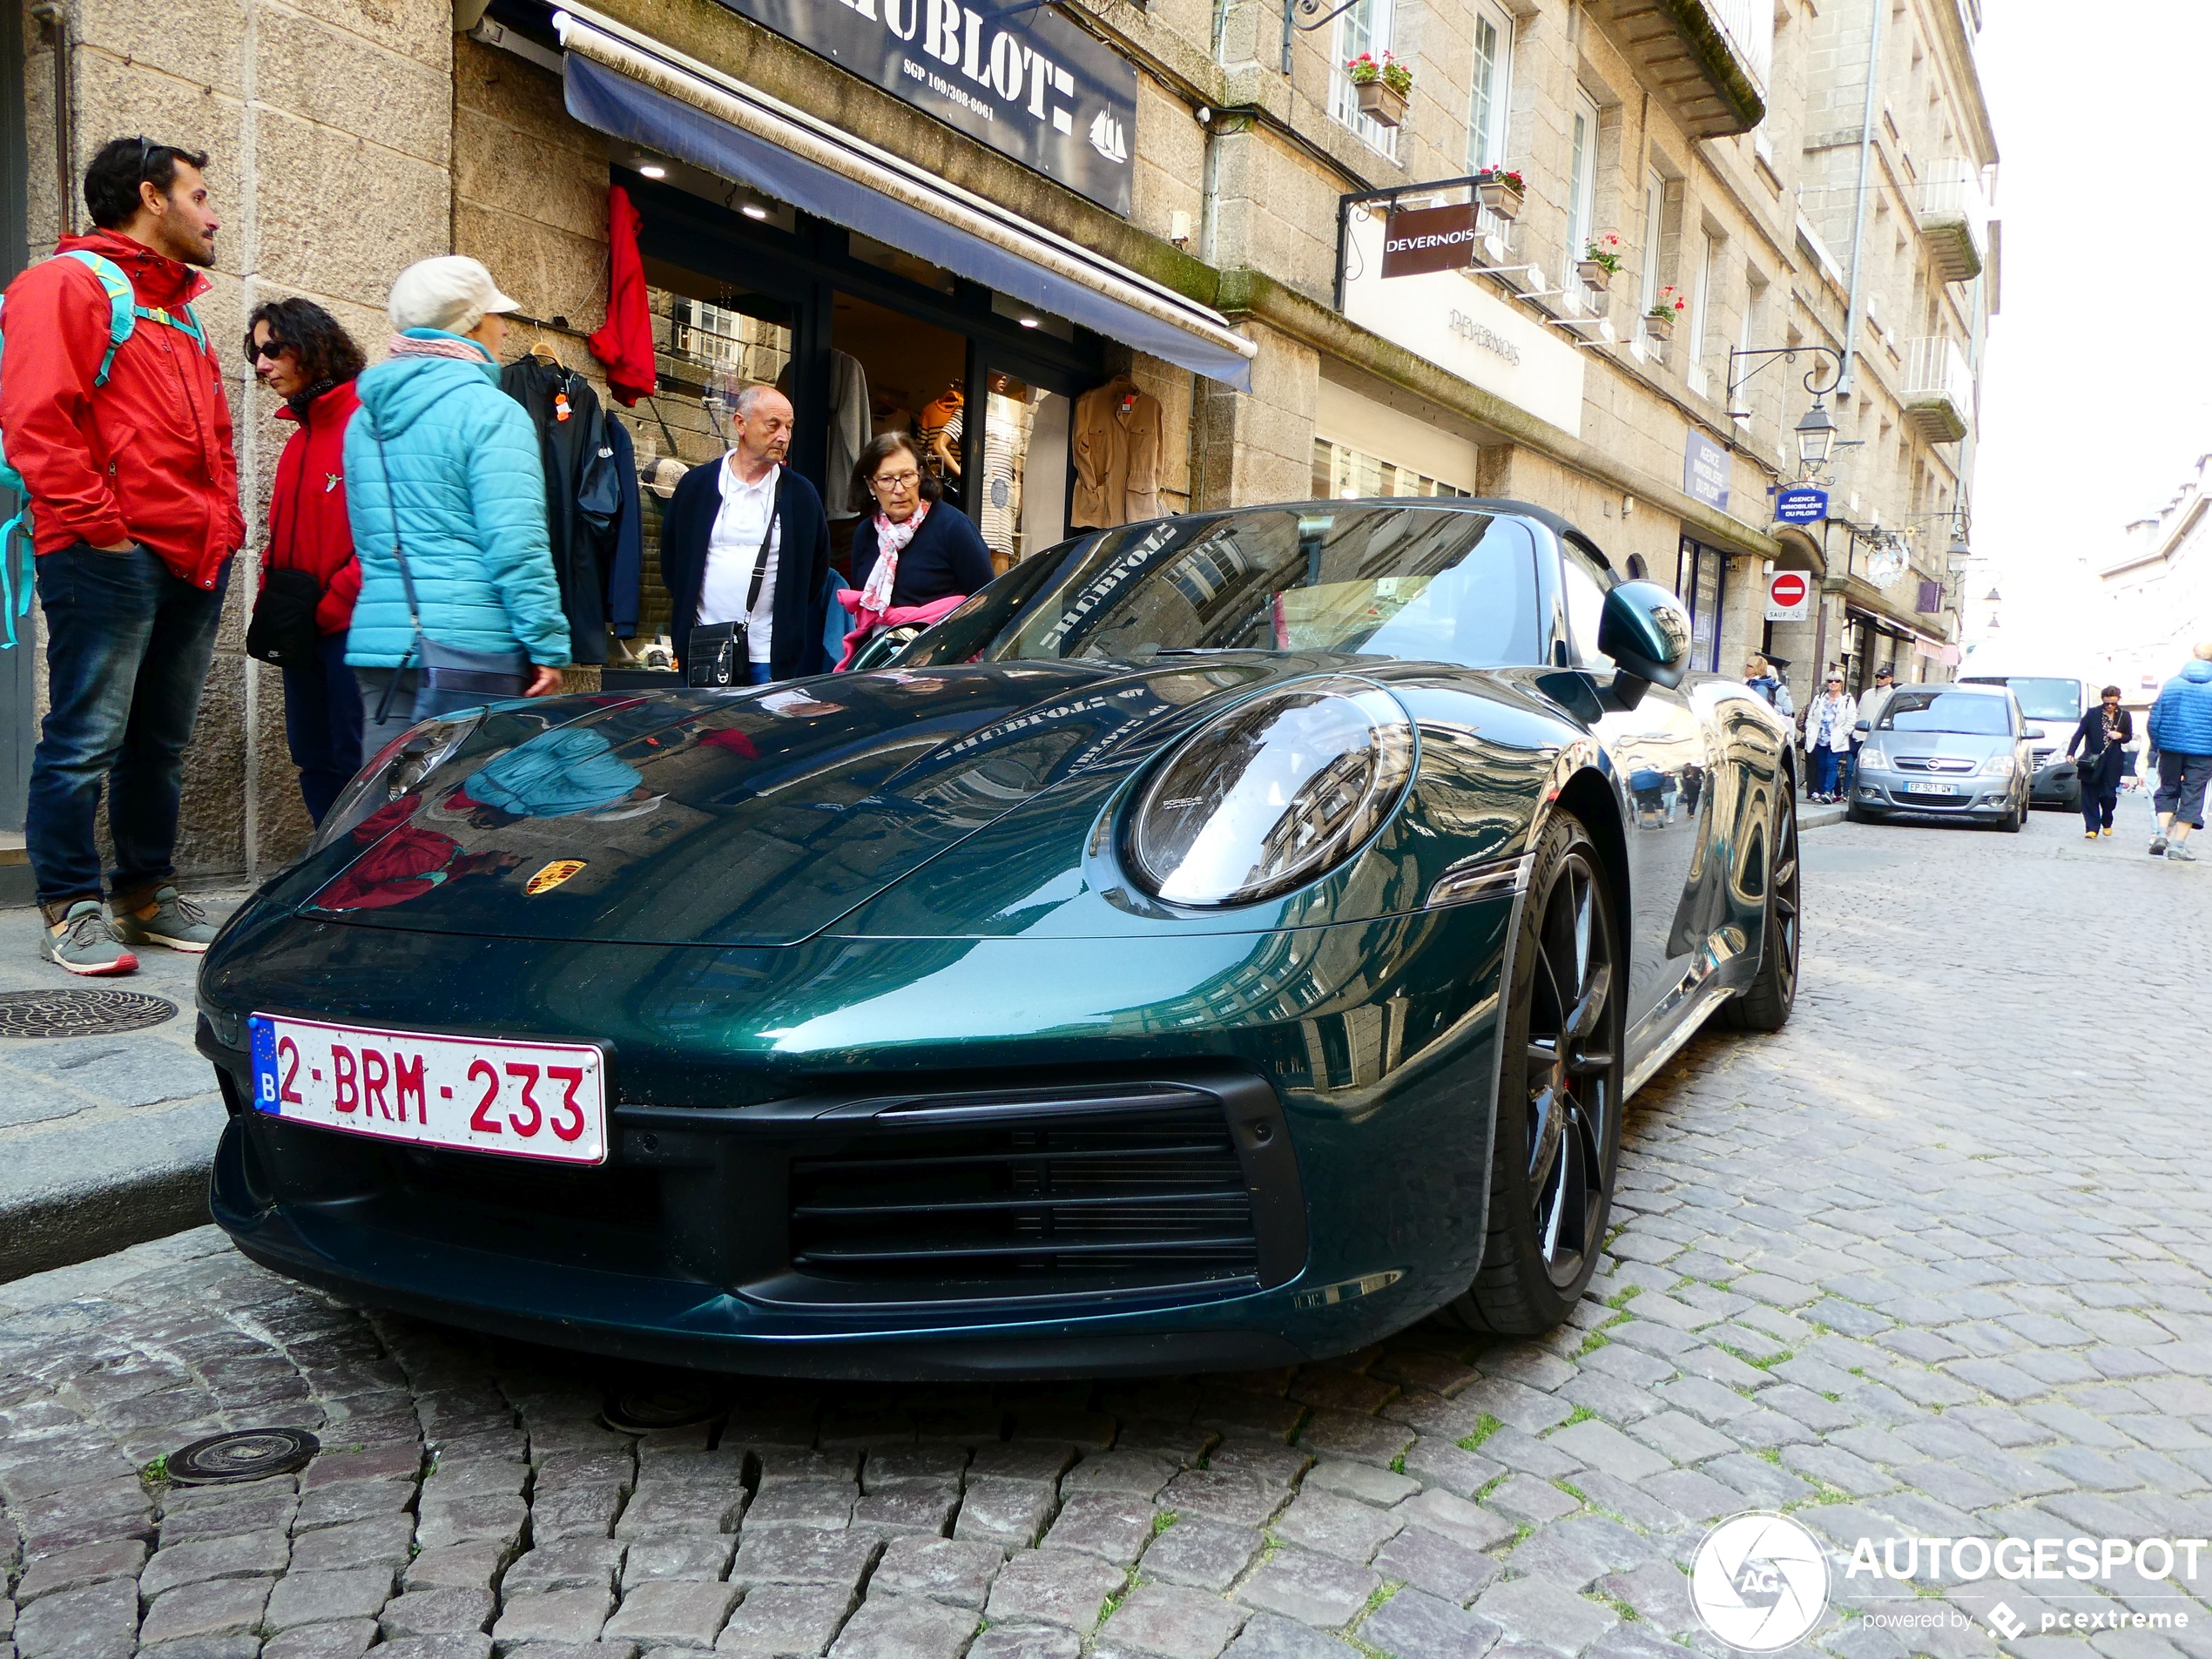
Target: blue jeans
{"x": 1825, "y": 763}
{"x": 128, "y": 644}
{"x": 322, "y": 725}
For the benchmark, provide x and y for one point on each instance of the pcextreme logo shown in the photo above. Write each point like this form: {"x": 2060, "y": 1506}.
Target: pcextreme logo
{"x": 1759, "y": 1582}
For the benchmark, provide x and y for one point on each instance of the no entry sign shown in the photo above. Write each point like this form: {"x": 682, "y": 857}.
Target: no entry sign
{"x": 1789, "y": 596}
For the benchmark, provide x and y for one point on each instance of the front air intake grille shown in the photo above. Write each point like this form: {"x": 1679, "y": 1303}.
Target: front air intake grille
{"x": 1145, "y": 1190}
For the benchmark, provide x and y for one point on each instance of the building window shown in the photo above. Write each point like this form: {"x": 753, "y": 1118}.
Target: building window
{"x": 1655, "y": 213}
{"x": 1701, "y": 300}
{"x": 1493, "y": 77}
{"x": 1365, "y": 27}
{"x": 1582, "y": 179}
{"x": 1341, "y": 473}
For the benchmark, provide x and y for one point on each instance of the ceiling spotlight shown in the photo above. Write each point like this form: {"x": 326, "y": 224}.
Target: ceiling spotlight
{"x": 753, "y": 210}
{"x": 1027, "y": 322}
{"x": 648, "y": 167}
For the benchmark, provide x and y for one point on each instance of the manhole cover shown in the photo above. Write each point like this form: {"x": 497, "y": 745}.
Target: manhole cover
{"x": 78, "y": 1014}
{"x": 250, "y": 1454}
{"x": 644, "y": 1411}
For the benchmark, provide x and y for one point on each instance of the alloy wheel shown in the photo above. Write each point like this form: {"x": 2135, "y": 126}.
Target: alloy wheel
{"x": 1572, "y": 1032}
{"x": 1782, "y": 919}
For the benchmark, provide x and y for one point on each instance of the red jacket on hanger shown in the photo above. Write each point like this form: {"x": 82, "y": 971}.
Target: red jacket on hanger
{"x": 308, "y": 529}
{"x": 625, "y": 345}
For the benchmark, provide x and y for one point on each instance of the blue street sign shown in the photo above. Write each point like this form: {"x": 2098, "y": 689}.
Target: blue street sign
{"x": 1804, "y": 505}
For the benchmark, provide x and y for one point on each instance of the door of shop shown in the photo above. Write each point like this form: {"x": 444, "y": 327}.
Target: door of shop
{"x": 864, "y": 338}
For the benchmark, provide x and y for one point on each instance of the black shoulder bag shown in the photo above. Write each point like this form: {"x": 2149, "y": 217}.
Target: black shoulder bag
{"x": 284, "y": 630}
{"x": 452, "y": 678}
{"x": 717, "y": 654}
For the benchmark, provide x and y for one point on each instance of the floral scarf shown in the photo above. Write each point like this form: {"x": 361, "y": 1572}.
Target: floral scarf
{"x": 890, "y": 541}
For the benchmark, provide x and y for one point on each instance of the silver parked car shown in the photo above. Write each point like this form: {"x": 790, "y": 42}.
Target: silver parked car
{"x": 1954, "y": 751}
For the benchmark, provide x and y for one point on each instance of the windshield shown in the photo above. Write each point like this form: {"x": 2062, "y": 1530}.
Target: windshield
{"x": 2045, "y": 699}
{"x": 1421, "y": 584}
{"x": 1975, "y": 713}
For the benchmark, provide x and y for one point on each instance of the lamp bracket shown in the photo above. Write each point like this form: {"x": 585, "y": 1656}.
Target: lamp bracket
{"x": 1789, "y": 354}
{"x": 1306, "y": 8}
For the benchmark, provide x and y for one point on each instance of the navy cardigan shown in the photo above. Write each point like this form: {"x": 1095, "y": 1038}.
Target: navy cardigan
{"x": 946, "y": 556}
{"x": 802, "y": 567}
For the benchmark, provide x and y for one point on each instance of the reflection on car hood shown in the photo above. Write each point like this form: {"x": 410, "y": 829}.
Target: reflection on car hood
{"x": 750, "y": 817}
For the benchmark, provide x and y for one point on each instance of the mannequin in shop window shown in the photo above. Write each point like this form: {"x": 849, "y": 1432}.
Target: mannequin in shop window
{"x": 940, "y": 426}
{"x": 750, "y": 513}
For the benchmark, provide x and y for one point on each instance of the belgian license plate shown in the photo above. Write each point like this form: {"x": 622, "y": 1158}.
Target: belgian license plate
{"x": 1931, "y": 789}
{"x": 530, "y": 1100}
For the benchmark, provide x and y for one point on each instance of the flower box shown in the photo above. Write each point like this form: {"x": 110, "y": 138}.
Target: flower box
{"x": 1596, "y": 275}
{"x": 1501, "y": 199}
{"x": 1659, "y": 324}
{"x": 1379, "y": 102}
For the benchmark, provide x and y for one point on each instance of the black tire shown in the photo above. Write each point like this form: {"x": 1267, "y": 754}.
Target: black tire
{"x": 1557, "y": 1145}
{"x": 1764, "y": 1004}
{"x": 2015, "y": 817}
{"x": 1857, "y": 814}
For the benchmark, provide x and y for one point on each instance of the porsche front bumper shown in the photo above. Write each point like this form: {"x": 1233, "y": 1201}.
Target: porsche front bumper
{"x": 1303, "y": 1123}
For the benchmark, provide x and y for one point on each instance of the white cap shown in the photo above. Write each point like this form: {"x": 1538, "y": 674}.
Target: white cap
{"x": 451, "y": 293}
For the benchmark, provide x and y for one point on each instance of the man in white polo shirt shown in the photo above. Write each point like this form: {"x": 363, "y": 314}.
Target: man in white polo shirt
{"x": 750, "y": 513}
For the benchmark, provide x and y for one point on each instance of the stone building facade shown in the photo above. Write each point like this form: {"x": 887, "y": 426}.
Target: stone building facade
{"x": 1715, "y": 148}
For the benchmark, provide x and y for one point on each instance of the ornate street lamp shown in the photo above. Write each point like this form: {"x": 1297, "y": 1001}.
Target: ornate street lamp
{"x": 1816, "y": 433}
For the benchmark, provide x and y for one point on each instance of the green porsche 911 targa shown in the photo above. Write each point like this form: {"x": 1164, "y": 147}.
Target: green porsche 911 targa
{"x": 1219, "y": 942}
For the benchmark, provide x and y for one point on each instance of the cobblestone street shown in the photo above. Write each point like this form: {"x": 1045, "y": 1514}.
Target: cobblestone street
{"x": 1933, "y": 1261}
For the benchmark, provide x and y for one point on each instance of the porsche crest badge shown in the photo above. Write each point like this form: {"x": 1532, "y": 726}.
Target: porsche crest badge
{"x": 551, "y": 876}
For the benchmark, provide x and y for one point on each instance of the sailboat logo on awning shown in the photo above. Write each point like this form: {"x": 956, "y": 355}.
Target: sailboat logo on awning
{"x": 1107, "y": 136}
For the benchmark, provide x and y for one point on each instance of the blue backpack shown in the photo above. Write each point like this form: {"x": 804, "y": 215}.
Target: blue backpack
{"x": 16, "y": 580}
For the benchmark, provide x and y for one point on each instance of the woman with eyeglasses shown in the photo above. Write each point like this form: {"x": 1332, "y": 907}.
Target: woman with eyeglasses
{"x": 912, "y": 551}
{"x": 309, "y": 575}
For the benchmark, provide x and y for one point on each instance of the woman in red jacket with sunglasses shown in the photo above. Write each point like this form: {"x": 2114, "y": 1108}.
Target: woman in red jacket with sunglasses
{"x": 306, "y": 358}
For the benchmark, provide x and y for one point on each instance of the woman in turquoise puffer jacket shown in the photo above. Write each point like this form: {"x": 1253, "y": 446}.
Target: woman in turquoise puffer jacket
{"x": 435, "y": 431}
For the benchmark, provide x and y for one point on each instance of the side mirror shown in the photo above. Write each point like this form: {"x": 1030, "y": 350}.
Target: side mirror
{"x": 1863, "y": 729}
{"x": 1645, "y": 628}
{"x": 2035, "y": 734}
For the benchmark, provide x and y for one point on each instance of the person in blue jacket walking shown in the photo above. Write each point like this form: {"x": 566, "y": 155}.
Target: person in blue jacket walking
{"x": 435, "y": 432}
{"x": 2181, "y": 731}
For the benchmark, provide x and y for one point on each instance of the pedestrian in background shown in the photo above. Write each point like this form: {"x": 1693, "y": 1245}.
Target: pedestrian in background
{"x": 124, "y": 449}
{"x": 2181, "y": 730}
{"x": 1829, "y": 719}
{"x": 1759, "y": 675}
{"x": 746, "y": 541}
{"x": 443, "y": 473}
{"x": 309, "y": 575}
{"x": 1870, "y": 706}
{"x": 2102, "y": 737}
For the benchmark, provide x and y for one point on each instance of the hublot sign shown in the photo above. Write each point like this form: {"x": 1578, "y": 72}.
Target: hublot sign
{"x": 1020, "y": 78}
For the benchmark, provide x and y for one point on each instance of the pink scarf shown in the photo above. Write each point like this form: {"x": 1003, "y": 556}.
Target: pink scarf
{"x": 890, "y": 541}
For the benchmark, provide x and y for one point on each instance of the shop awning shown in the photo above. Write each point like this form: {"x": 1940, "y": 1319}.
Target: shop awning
{"x": 647, "y": 94}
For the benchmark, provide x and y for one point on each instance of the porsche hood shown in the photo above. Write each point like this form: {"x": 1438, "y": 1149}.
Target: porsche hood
{"x": 753, "y": 818}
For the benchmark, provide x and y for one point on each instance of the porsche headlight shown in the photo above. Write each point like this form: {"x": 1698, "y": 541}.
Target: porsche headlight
{"x": 1271, "y": 794}
{"x": 397, "y": 767}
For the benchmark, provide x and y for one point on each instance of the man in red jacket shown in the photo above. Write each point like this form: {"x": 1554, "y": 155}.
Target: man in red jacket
{"x": 133, "y": 491}
{"x": 304, "y": 356}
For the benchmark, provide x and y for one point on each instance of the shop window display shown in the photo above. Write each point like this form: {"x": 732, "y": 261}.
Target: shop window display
{"x": 1341, "y": 473}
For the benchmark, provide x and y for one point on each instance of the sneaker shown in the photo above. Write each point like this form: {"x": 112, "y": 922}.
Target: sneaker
{"x": 171, "y": 920}
{"x": 83, "y": 943}
{"x": 2178, "y": 853}
{"x": 2158, "y": 847}
{"x": 2091, "y": 835}
{"x": 2107, "y": 830}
